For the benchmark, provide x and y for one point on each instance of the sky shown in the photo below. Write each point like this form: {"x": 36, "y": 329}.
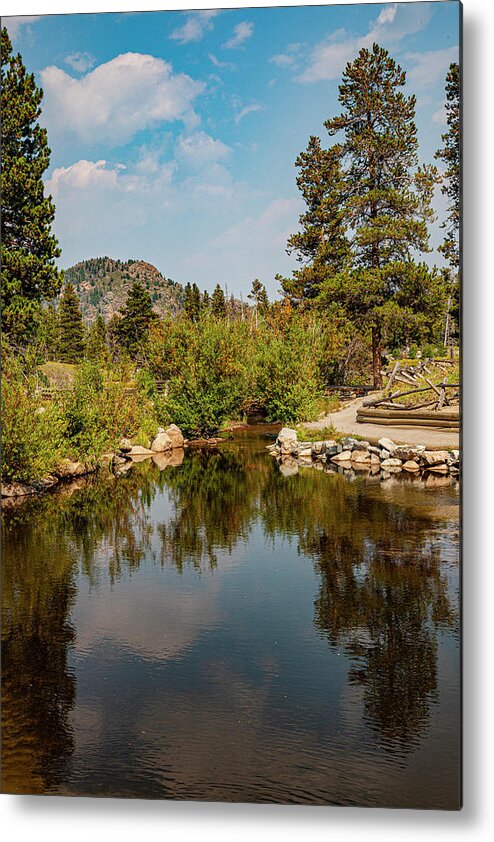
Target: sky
{"x": 174, "y": 134}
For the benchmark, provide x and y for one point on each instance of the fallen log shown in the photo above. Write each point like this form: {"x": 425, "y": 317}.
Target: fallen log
{"x": 407, "y": 422}
{"x": 449, "y": 415}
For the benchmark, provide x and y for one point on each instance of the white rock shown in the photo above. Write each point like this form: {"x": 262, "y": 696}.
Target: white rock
{"x": 391, "y": 463}
{"x": 387, "y": 444}
{"x": 344, "y": 456}
{"x": 175, "y": 435}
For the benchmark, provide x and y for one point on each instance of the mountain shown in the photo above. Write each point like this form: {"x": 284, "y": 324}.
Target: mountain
{"x": 102, "y": 285}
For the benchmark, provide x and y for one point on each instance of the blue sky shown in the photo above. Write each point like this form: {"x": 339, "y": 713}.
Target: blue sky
{"x": 174, "y": 134}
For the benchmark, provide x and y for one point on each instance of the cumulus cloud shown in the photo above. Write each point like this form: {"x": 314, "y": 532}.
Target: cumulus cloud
{"x": 80, "y": 61}
{"x": 199, "y": 148}
{"x": 118, "y": 99}
{"x": 221, "y": 65}
{"x": 394, "y": 22}
{"x": 282, "y": 60}
{"x": 14, "y": 24}
{"x": 440, "y": 116}
{"x": 241, "y": 33}
{"x": 195, "y": 27}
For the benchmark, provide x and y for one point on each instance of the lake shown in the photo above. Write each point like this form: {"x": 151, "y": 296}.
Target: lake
{"x": 212, "y": 629}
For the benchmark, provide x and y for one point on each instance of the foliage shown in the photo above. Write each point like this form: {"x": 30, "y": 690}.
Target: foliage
{"x": 98, "y": 411}
{"x": 218, "y": 303}
{"x": 450, "y": 155}
{"x": 70, "y": 326}
{"x": 192, "y": 302}
{"x": 96, "y": 341}
{"x": 136, "y": 317}
{"x": 29, "y": 249}
{"x": 206, "y": 371}
{"x": 31, "y": 433}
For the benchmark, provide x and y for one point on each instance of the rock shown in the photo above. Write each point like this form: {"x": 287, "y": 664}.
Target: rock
{"x": 161, "y": 443}
{"x": 361, "y": 445}
{"x": 287, "y": 440}
{"x": 48, "y": 482}
{"x": 332, "y": 449}
{"x": 137, "y": 451}
{"x": 349, "y": 443}
{"x": 454, "y": 458}
{"x": 374, "y": 460}
{"x": 17, "y": 489}
{"x": 411, "y": 466}
{"x": 161, "y": 430}
{"x": 305, "y": 461}
{"x": 344, "y": 456}
{"x": 454, "y": 470}
{"x": 375, "y": 450}
{"x": 68, "y": 468}
{"x": 405, "y": 452}
{"x": 125, "y": 445}
{"x": 175, "y": 435}
{"x": 429, "y": 458}
{"x": 394, "y": 469}
{"x": 304, "y": 450}
{"x": 361, "y": 456}
{"x": 390, "y": 463}
{"x": 318, "y": 448}
{"x": 387, "y": 444}
{"x": 439, "y": 469}
{"x": 384, "y": 454}
{"x": 360, "y": 466}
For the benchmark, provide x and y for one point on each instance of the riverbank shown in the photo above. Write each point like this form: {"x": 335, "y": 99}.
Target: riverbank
{"x": 345, "y": 421}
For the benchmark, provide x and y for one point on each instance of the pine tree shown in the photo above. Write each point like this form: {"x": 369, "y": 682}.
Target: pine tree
{"x": 192, "y": 302}
{"x": 450, "y": 155}
{"x": 71, "y": 326}
{"x": 322, "y": 245}
{"x": 49, "y": 332}
{"x": 96, "y": 341}
{"x": 135, "y": 318}
{"x": 206, "y": 302}
{"x": 29, "y": 249}
{"x": 218, "y": 303}
{"x": 387, "y": 206}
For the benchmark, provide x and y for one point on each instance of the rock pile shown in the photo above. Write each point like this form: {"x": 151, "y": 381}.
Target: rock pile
{"x": 386, "y": 457}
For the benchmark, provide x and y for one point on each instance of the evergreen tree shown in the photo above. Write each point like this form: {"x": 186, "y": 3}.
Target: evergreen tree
{"x": 385, "y": 198}
{"x": 322, "y": 245}
{"x": 450, "y": 155}
{"x": 135, "y": 318}
{"x": 193, "y": 302}
{"x": 71, "y": 326}
{"x": 206, "y": 301}
{"x": 29, "y": 249}
{"x": 218, "y": 303}
{"x": 96, "y": 341}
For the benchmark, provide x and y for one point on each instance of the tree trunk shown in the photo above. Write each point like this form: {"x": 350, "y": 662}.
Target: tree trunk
{"x": 376, "y": 357}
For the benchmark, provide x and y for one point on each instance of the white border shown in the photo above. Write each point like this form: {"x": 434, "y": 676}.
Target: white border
{"x": 77, "y": 820}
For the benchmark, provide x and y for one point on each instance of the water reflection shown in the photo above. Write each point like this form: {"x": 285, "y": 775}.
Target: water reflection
{"x": 378, "y": 590}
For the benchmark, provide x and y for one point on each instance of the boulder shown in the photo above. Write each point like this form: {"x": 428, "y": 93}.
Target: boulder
{"x": 287, "y": 440}
{"x": 125, "y": 445}
{"x": 344, "y": 456}
{"x": 349, "y": 443}
{"x": 430, "y": 458}
{"x": 361, "y": 457}
{"x": 384, "y": 454}
{"x": 454, "y": 458}
{"x": 375, "y": 450}
{"x": 387, "y": 444}
{"x": 361, "y": 445}
{"x": 318, "y": 448}
{"x": 406, "y": 453}
{"x": 175, "y": 435}
{"x": 411, "y": 466}
{"x": 439, "y": 469}
{"x": 161, "y": 443}
{"x": 332, "y": 449}
{"x": 390, "y": 463}
{"x": 68, "y": 468}
{"x": 374, "y": 460}
{"x": 138, "y": 451}
{"x": 304, "y": 450}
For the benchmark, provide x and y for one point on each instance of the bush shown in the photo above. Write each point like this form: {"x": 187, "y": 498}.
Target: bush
{"x": 31, "y": 433}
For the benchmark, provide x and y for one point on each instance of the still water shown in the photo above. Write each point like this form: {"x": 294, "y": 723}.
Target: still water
{"x": 216, "y": 630}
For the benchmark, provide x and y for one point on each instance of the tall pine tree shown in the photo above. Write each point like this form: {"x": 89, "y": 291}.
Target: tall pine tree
{"x": 71, "y": 326}
{"x": 29, "y": 249}
{"x": 136, "y": 317}
{"x": 218, "y": 303}
{"x": 96, "y": 342}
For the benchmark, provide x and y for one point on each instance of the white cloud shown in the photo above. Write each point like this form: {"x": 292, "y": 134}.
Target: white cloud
{"x": 429, "y": 67}
{"x": 195, "y": 27}
{"x": 199, "y": 148}
{"x": 14, "y": 24}
{"x": 80, "y": 61}
{"x": 118, "y": 99}
{"x": 394, "y": 22}
{"x": 282, "y": 60}
{"x": 221, "y": 65}
{"x": 248, "y": 109}
{"x": 242, "y": 31}
{"x": 83, "y": 175}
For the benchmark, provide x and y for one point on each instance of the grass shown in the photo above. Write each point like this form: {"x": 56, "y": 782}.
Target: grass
{"x": 59, "y": 374}
{"x": 436, "y": 376}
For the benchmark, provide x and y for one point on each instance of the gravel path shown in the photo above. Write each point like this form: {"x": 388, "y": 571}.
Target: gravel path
{"x": 345, "y": 421}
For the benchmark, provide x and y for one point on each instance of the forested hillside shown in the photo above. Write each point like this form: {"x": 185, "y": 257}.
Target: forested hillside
{"x": 102, "y": 285}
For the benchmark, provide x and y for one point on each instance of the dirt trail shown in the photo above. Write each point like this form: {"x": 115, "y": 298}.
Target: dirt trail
{"x": 345, "y": 421}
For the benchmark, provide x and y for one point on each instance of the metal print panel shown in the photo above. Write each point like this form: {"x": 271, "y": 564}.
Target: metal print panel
{"x": 231, "y": 405}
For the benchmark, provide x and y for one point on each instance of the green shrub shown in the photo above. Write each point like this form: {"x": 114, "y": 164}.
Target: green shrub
{"x": 31, "y": 433}
{"x": 412, "y": 354}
